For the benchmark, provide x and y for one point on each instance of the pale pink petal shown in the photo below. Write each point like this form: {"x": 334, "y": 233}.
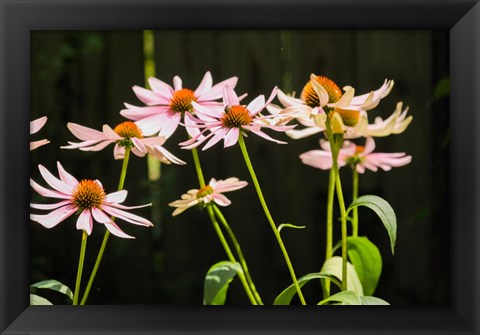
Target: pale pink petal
{"x": 318, "y": 159}
{"x": 48, "y": 193}
{"x": 296, "y": 134}
{"x": 158, "y": 149}
{"x": 65, "y": 176}
{"x": 369, "y": 146}
{"x": 97, "y": 147}
{"x": 37, "y": 124}
{"x": 53, "y": 218}
{"x": 149, "y": 97}
{"x": 177, "y": 83}
{"x": 205, "y": 84}
{"x": 110, "y": 134}
{"x": 85, "y": 222}
{"x": 191, "y": 125}
{"x": 50, "y": 206}
{"x": 54, "y": 182}
{"x": 232, "y": 137}
{"x": 216, "y": 138}
{"x": 170, "y": 126}
{"x": 288, "y": 101}
{"x": 118, "y": 151}
{"x": 216, "y": 91}
{"x": 137, "y": 152}
{"x": 115, "y": 230}
{"x": 117, "y": 197}
{"x": 77, "y": 145}
{"x": 220, "y": 199}
{"x": 196, "y": 141}
{"x": 256, "y": 105}
{"x": 156, "y": 140}
{"x": 265, "y": 136}
{"x": 228, "y": 185}
{"x": 210, "y": 112}
{"x": 132, "y": 218}
{"x": 138, "y": 113}
{"x": 139, "y": 145}
{"x": 152, "y": 125}
{"x": 161, "y": 88}
{"x": 100, "y": 216}
{"x": 230, "y": 98}
{"x": 85, "y": 133}
{"x": 36, "y": 144}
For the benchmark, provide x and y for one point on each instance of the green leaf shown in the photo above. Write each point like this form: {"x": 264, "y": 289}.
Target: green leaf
{"x": 55, "y": 285}
{"x": 217, "y": 280}
{"x": 367, "y": 261}
{"x": 333, "y": 267}
{"x": 285, "y": 297}
{"x": 384, "y": 211}
{"x": 289, "y": 225}
{"x": 352, "y": 298}
{"x": 38, "y": 300}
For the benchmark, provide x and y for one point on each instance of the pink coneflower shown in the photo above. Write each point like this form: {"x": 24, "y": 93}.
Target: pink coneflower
{"x": 361, "y": 157}
{"x": 35, "y": 126}
{"x": 211, "y": 192}
{"x": 168, "y": 105}
{"x": 126, "y": 134}
{"x": 87, "y": 198}
{"x": 227, "y": 123}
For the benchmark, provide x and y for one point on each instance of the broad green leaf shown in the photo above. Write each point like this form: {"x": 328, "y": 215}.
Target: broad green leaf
{"x": 373, "y": 301}
{"x": 366, "y": 259}
{"x": 217, "y": 280}
{"x": 384, "y": 211}
{"x": 289, "y": 225}
{"x": 285, "y": 297}
{"x": 38, "y": 300}
{"x": 333, "y": 267}
{"x": 352, "y": 298}
{"x": 54, "y": 285}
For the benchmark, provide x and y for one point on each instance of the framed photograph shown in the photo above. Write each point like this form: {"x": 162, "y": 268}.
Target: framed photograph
{"x": 315, "y": 73}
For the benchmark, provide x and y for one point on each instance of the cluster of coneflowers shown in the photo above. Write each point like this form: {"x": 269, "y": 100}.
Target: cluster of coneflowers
{"x": 210, "y": 114}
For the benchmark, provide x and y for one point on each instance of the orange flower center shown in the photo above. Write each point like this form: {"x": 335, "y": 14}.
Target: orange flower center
{"x": 204, "y": 191}
{"x": 311, "y": 97}
{"x": 236, "y": 116}
{"x": 359, "y": 149}
{"x": 128, "y": 129}
{"x": 182, "y": 100}
{"x": 88, "y": 194}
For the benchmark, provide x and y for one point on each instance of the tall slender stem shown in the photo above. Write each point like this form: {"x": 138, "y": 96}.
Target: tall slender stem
{"x": 329, "y": 232}
{"x": 354, "y": 197}
{"x": 80, "y": 267}
{"x": 269, "y": 217}
{"x": 121, "y": 182}
{"x": 336, "y": 141}
{"x": 216, "y": 227}
{"x": 243, "y": 263}
{"x": 230, "y": 256}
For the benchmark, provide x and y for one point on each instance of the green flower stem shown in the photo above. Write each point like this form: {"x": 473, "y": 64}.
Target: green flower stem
{"x": 355, "y": 209}
{"x": 269, "y": 217}
{"x": 221, "y": 237}
{"x": 121, "y": 182}
{"x": 198, "y": 167}
{"x": 243, "y": 263}
{"x": 80, "y": 267}
{"x": 329, "y": 246}
{"x": 231, "y": 258}
{"x": 336, "y": 141}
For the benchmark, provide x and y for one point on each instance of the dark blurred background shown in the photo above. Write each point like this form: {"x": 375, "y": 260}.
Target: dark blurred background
{"x": 85, "y": 77}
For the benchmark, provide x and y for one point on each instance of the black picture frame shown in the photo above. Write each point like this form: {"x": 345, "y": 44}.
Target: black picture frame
{"x": 18, "y": 18}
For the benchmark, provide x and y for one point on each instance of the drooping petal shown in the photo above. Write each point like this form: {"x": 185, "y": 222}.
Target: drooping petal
{"x": 132, "y": 218}
{"x": 265, "y": 136}
{"x": 136, "y": 113}
{"x": 228, "y": 185}
{"x": 231, "y": 137}
{"x": 110, "y": 134}
{"x": 302, "y": 133}
{"x": 170, "y": 126}
{"x": 55, "y": 217}
{"x": 50, "y": 206}
{"x": 36, "y": 144}
{"x": 85, "y": 222}
{"x": 48, "y": 193}
{"x": 148, "y": 97}
{"x": 220, "y": 199}
{"x": 256, "y": 105}
{"x": 97, "y": 147}
{"x": 216, "y": 138}
{"x": 287, "y": 100}
{"x": 85, "y": 133}
{"x": 318, "y": 159}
